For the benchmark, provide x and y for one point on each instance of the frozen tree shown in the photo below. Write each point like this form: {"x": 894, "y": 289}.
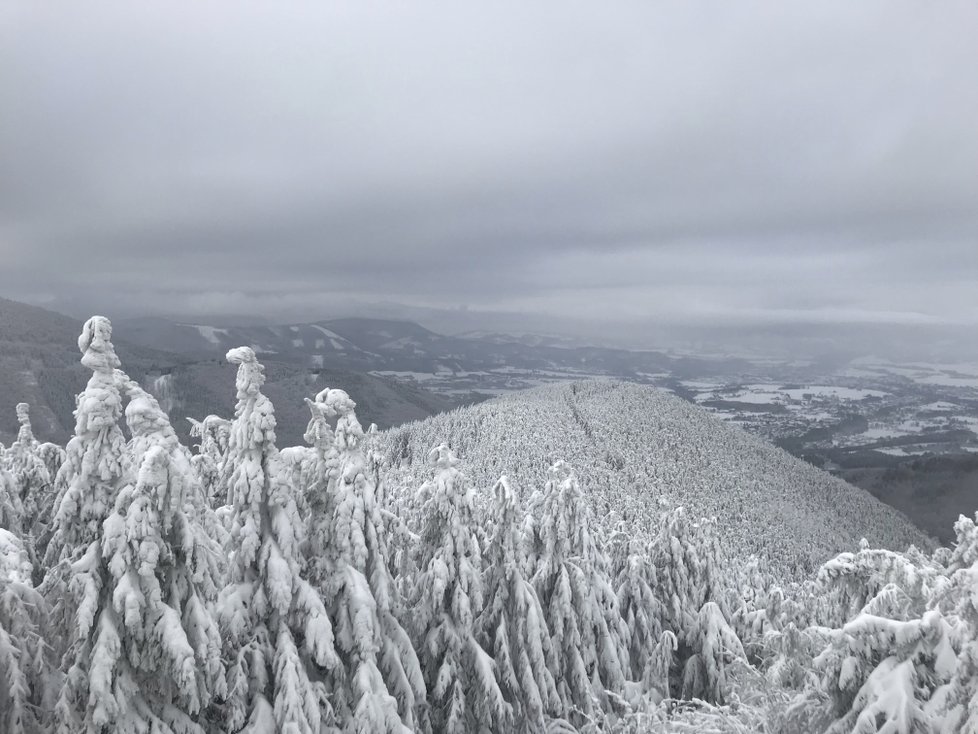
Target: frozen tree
{"x": 589, "y": 636}
{"x": 278, "y": 637}
{"x": 11, "y": 510}
{"x": 92, "y": 473}
{"x": 145, "y": 651}
{"x": 658, "y": 666}
{"x": 87, "y": 482}
{"x": 640, "y": 607}
{"x": 27, "y": 681}
{"x": 513, "y": 626}
{"x": 379, "y": 683}
{"x": 30, "y": 476}
{"x": 53, "y": 457}
{"x": 461, "y": 679}
{"x": 879, "y": 671}
{"x": 714, "y": 647}
{"x": 211, "y": 451}
{"x": 891, "y": 666}
{"x": 960, "y": 704}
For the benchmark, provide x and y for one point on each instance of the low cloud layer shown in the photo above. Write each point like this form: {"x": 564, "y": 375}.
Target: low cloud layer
{"x": 678, "y": 163}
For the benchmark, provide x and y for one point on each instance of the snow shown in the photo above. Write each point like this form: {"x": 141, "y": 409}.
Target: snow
{"x": 939, "y": 407}
{"x": 210, "y": 333}
{"x": 15, "y": 566}
{"x": 326, "y": 332}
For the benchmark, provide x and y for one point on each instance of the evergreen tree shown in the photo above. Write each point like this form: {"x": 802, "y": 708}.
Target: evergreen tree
{"x": 460, "y": 675}
{"x": 92, "y": 473}
{"x": 28, "y": 679}
{"x": 961, "y": 697}
{"x": 87, "y": 483}
{"x": 211, "y": 452}
{"x": 589, "y": 635}
{"x": 145, "y": 649}
{"x": 513, "y": 625}
{"x": 11, "y": 510}
{"x": 714, "y": 647}
{"x": 640, "y": 608}
{"x": 31, "y": 479}
{"x": 278, "y": 637}
{"x": 380, "y": 684}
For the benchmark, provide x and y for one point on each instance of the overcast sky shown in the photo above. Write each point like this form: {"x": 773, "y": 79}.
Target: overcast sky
{"x": 678, "y": 162}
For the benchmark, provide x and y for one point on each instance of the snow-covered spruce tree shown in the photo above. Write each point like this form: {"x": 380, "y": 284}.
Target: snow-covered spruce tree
{"x": 53, "y": 457}
{"x": 379, "y": 685}
{"x": 961, "y": 698}
{"x": 890, "y": 666}
{"x": 87, "y": 482}
{"x": 11, "y": 510}
{"x": 513, "y": 626}
{"x": 714, "y": 647}
{"x": 882, "y": 674}
{"x": 145, "y": 653}
{"x": 688, "y": 574}
{"x": 31, "y": 478}
{"x": 640, "y": 608}
{"x": 211, "y": 451}
{"x": 28, "y": 679}
{"x": 92, "y": 473}
{"x": 462, "y": 688}
{"x": 278, "y": 637}
{"x": 589, "y": 636}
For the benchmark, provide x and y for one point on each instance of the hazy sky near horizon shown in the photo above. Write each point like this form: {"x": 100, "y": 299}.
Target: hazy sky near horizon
{"x": 678, "y": 162}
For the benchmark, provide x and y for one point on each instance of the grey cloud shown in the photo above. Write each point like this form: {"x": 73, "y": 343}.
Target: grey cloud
{"x": 754, "y": 162}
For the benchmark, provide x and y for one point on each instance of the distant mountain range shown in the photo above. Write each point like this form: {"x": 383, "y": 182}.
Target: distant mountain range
{"x": 389, "y": 345}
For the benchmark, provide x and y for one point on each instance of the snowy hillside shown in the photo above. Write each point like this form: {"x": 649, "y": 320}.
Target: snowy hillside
{"x": 635, "y": 447}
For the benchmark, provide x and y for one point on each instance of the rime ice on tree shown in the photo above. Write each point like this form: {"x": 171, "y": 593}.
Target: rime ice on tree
{"x": 589, "y": 636}
{"x": 144, "y": 649}
{"x": 380, "y": 683}
{"x": 92, "y": 473}
{"x": 277, "y": 633}
{"x": 513, "y": 625}
{"x": 461, "y": 680}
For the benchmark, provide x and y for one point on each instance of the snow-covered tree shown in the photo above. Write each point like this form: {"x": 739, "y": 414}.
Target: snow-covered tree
{"x": 960, "y": 704}
{"x": 28, "y": 679}
{"x": 379, "y": 683}
{"x": 87, "y": 483}
{"x": 11, "y": 510}
{"x": 714, "y": 647}
{"x": 888, "y": 668}
{"x": 145, "y": 649}
{"x": 30, "y": 476}
{"x": 513, "y": 625}
{"x": 640, "y": 607}
{"x": 278, "y": 637}
{"x": 211, "y": 452}
{"x": 92, "y": 473}
{"x": 462, "y": 688}
{"x": 589, "y": 636}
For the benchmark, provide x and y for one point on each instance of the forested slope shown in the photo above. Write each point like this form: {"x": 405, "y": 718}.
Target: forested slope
{"x": 636, "y": 448}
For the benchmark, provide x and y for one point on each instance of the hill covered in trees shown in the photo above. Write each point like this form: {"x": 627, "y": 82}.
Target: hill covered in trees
{"x": 637, "y": 449}
{"x": 402, "y": 582}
